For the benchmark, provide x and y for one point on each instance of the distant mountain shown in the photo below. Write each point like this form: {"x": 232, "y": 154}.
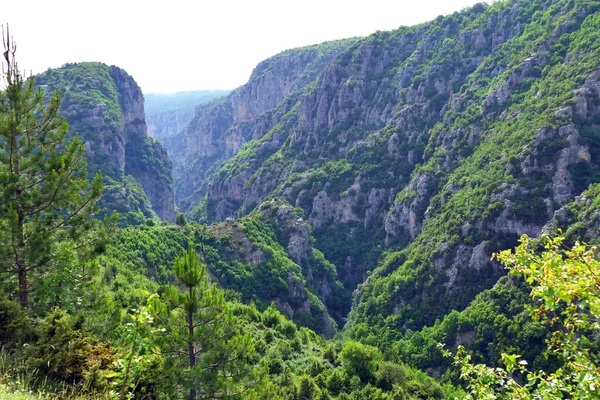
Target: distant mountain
{"x": 157, "y": 103}
{"x": 105, "y": 106}
{"x": 414, "y": 154}
{"x": 169, "y": 113}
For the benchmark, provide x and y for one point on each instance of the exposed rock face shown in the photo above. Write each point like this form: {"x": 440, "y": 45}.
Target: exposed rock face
{"x": 157, "y": 184}
{"x": 166, "y": 124}
{"x": 105, "y": 106}
{"x": 219, "y": 129}
{"x": 302, "y": 283}
{"x": 579, "y": 219}
{"x": 170, "y": 114}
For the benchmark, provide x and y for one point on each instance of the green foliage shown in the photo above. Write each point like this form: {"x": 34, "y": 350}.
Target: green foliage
{"x": 580, "y": 220}
{"x": 145, "y": 156}
{"x": 139, "y": 370}
{"x": 564, "y": 284}
{"x": 360, "y": 360}
{"x": 15, "y": 327}
{"x": 180, "y": 219}
{"x": 495, "y": 322}
{"x": 87, "y": 84}
{"x": 126, "y": 197}
{"x": 64, "y": 351}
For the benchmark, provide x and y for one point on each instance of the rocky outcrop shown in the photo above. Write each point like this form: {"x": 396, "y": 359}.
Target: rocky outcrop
{"x": 105, "y": 106}
{"x": 301, "y": 284}
{"x": 155, "y": 180}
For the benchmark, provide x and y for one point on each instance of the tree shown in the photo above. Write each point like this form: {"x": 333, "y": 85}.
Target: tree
{"x": 201, "y": 334}
{"x": 180, "y": 220}
{"x": 360, "y": 360}
{"x": 46, "y": 200}
{"x": 566, "y": 284}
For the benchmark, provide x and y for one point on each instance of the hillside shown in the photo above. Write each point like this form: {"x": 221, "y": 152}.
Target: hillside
{"x": 220, "y": 128}
{"x": 414, "y": 153}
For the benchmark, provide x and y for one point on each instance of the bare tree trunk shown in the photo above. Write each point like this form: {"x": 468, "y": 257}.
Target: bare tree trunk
{"x": 191, "y": 349}
{"x": 20, "y": 240}
{"x": 23, "y": 287}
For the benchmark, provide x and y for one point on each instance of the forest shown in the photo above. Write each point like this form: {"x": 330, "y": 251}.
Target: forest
{"x": 409, "y": 215}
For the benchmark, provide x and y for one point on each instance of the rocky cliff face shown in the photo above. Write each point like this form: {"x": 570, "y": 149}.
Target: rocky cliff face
{"x": 170, "y": 113}
{"x": 219, "y": 129}
{"x": 162, "y": 126}
{"x": 440, "y": 143}
{"x": 283, "y": 267}
{"x": 105, "y": 106}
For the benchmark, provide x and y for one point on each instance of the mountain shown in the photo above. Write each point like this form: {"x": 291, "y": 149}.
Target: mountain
{"x": 414, "y": 154}
{"x": 105, "y": 107}
{"x": 220, "y": 128}
{"x": 359, "y": 189}
{"x": 170, "y": 113}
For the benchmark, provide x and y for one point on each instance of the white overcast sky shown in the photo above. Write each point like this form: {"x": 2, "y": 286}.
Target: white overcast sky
{"x": 180, "y": 45}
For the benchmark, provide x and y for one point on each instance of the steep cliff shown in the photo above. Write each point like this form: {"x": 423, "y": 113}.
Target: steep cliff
{"x": 105, "y": 107}
{"x": 164, "y": 125}
{"x": 514, "y": 144}
{"x": 220, "y": 128}
{"x": 439, "y": 143}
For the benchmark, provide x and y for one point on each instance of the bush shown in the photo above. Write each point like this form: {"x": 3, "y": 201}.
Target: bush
{"x": 15, "y": 327}
{"x": 63, "y": 351}
{"x": 360, "y": 360}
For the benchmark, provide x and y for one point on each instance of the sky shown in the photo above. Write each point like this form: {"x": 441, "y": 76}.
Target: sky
{"x": 176, "y": 45}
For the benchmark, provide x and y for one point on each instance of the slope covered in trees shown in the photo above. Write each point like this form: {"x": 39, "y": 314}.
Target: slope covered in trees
{"x": 415, "y": 153}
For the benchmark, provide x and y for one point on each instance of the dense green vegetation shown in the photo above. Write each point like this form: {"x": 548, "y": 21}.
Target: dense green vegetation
{"x": 247, "y": 257}
{"x": 564, "y": 285}
{"x": 358, "y": 262}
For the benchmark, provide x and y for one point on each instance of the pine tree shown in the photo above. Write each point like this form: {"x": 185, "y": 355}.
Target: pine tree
{"x": 46, "y": 199}
{"x": 201, "y": 334}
